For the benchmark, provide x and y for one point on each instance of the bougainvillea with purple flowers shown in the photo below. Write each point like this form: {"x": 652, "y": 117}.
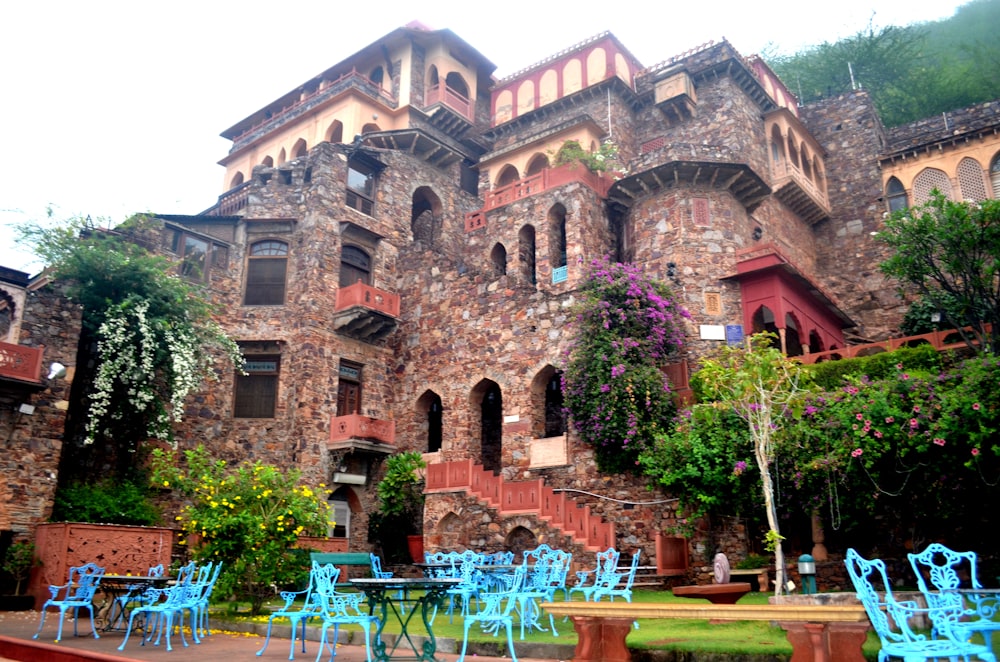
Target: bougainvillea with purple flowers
{"x": 627, "y": 328}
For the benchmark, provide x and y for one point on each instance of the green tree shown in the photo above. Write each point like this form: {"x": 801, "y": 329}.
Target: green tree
{"x": 949, "y": 252}
{"x": 762, "y": 386}
{"x": 249, "y": 518}
{"x": 627, "y": 327}
{"x": 148, "y": 340}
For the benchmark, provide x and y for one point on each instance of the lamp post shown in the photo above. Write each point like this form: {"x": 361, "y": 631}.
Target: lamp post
{"x": 807, "y": 571}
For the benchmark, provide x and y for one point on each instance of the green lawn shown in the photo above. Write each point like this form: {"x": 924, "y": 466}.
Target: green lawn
{"x": 740, "y": 637}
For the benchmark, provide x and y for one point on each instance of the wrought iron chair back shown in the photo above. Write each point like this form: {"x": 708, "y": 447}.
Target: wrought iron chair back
{"x": 495, "y": 610}
{"x": 946, "y": 568}
{"x": 891, "y": 619}
{"x": 300, "y": 614}
{"x": 336, "y": 609}
{"x": 77, "y": 593}
{"x": 159, "y": 608}
{"x": 603, "y": 574}
{"x": 620, "y": 584}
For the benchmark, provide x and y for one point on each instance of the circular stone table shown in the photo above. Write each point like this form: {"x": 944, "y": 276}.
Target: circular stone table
{"x": 719, "y": 594}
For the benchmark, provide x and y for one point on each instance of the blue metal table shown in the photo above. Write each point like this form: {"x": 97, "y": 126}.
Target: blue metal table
{"x": 421, "y": 595}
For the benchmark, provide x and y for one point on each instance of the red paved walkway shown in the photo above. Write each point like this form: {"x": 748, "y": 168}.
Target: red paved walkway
{"x": 219, "y": 647}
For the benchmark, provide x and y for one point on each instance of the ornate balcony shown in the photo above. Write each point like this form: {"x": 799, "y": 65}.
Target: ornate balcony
{"x": 796, "y": 190}
{"x": 355, "y": 432}
{"x": 365, "y": 312}
{"x": 20, "y": 362}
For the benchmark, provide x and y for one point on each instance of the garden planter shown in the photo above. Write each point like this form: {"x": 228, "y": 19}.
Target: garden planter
{"x": 416, "y": 547}
{"x": 120, "y": 550}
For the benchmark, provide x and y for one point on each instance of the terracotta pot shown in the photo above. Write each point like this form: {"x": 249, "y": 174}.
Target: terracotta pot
{"x": 416, "y": 547}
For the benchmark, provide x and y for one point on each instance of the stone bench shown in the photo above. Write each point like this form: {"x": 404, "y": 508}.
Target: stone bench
{"x": 818, "y": 633}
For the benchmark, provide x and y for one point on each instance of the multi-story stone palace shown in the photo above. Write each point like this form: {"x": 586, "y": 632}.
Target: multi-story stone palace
{"x": 398, "y": 244}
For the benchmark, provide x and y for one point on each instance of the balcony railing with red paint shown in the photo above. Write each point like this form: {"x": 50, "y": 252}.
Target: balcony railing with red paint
{"x": 367, "y": 296}
{"x": 558, "y": 509}
{"x": 20, "y": 362}
{"x": 548, "y": 178}
{"x": 355, "y": 426}
{"x": 449, "y": 97}
{"x": 939, "y": 340}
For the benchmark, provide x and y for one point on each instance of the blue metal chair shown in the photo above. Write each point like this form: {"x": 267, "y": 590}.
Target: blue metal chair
{"x": 204, "y": 597}
{"x": 77, "y": 593}
{"x": 944, "y": 568}
{"x": 891, "y": 619}
{"x": 471, "y": 585}
{"x": 539, "y": 586}
{"x": 336, "y": 609}
{"x": 379, "y": 573}
{"x": 619, "y": 585}
{"x": 160, "y": 607}
{"x": 119, "y": 607}
{"x": 604, "y": 572}
{"x": 300, "y": 614}
{"x": 496, "y": 610}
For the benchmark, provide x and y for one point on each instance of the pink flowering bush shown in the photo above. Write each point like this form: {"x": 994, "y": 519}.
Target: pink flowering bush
{"x": 916, "y": 451}
{"x": 627, "y": 328}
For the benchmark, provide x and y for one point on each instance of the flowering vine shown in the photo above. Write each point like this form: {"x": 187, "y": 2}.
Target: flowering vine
{"x": 627, "y": 328}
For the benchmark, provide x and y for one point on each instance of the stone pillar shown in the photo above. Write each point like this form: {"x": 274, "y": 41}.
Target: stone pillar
{"x": 601, "y": 639}
{"x": 819, "y": 552}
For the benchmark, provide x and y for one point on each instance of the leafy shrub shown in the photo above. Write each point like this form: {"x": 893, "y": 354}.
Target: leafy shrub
{"x": 831, "y": 375}
{"x": 107, "y": 502}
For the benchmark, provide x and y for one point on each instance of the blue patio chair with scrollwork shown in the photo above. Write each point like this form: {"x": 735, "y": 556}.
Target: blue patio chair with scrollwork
{"x": 472, "y": 582}
{"x": 604, "y": 572}
{"x": 336, "y": 609}
{"x": 133, "y": 594}
{"x": 496, "y": 610}
{"x": 160, "y": 608}
{"x": 76, "y": 594}
{"x": 620, "y": 584}
{"x": 891, "y": 619}
{"x": 540, "y": 584}
{"x": 299, "y": 608}
{"x": 944, "y": 568}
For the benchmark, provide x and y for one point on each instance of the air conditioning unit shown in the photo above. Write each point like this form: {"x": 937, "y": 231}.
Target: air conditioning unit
{"x": 349, "y": 479}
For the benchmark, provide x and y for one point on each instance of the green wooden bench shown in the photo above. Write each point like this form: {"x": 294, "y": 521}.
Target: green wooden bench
{"x": 345, "y": 561}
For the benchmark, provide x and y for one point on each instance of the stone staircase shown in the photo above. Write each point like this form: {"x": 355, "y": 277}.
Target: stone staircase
{"x": 557, "y": 510}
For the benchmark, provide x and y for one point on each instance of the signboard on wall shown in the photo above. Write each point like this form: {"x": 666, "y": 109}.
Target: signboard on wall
{"x": 734, "y": 334}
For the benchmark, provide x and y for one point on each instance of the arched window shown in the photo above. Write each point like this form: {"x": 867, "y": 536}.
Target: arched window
{"x": 777, "y": 147}
{"x": 995, "y": 176}
{"x": 538, "y": 163}
{"x": 557, "y": 236}
{"x": 928, "y": 180}
{"x": 377, "y": 75}
{"x": 299, "y": 149}
{"x": 508, "y": 175}
{"x": 548, "y": 419}
{"x": 454, "y": 82}
{"x": 425, "y": 216}
{"x": 491, "y": 425}
{"x": 971, "y": 180}
{"x": 526, "y": 253}
{"x": 429, "y": 407}
{"x": 498, "y": 257}
{"x": 895, "y": 194}
{"x": 267, "y": 265}
{"x": 355, "y": 266}
{"x": 335, "y": 134}
{"x": 236, "y": 180}
{"x": 268, "y": 162}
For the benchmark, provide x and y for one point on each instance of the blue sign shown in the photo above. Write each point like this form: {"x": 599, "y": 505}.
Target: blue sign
{"x": 734, "y": 334}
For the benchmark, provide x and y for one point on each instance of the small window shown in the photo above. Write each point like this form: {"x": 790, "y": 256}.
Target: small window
{"x": 194, "y": 252}
{"x": 895, "y": 194}
{"x": 256, "y": 392}
{"x": 349, "y": 389}
{"x": 266, "y": 270}
{"x": 341, "y": 515}
{"x": 361, "y": 187}
{"x": 355, "y": 266}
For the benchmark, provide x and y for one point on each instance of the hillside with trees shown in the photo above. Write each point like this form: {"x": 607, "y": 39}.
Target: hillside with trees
{"x": 911, "y": 72}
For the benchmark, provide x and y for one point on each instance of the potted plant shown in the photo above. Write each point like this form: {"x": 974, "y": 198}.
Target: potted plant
{"x": 401, "y": 507}
{"x": 17, "y": 562}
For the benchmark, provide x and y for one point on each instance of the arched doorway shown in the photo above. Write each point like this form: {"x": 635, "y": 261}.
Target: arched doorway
{"x": 491, "y": 425}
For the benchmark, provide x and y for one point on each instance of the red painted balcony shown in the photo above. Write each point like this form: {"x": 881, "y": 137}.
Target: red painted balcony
{"x": 442, "y": 94}
{"x": 548, "y": 178}
{"x": 355, "y": 427}
{"x": 20, "y": 362}
{"x": 365, "y": 312}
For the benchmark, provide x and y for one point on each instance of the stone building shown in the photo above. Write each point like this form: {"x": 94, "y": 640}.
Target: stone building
{"x": 398, "y": 245}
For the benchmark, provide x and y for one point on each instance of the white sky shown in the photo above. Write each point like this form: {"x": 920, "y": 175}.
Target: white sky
{"x": 112, "y": 108}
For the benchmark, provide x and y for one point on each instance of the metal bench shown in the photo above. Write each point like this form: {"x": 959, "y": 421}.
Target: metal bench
{"x": 816, "y": 632}
{"x": 344, "y": 561}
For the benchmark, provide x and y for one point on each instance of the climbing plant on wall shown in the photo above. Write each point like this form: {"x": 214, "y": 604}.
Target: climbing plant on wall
{"x": 627, "y": 327}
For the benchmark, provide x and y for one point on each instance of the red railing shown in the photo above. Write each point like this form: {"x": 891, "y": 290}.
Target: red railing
{"x": 451, "y": 98}
{"x": 367, "y": 296}
{"x": 546, "y": 179}
{"x": 530, "y": 496}
{"x": 20, "y": 362}
{"x": 355, "y": 426}
{"x": 939, "y": 340}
